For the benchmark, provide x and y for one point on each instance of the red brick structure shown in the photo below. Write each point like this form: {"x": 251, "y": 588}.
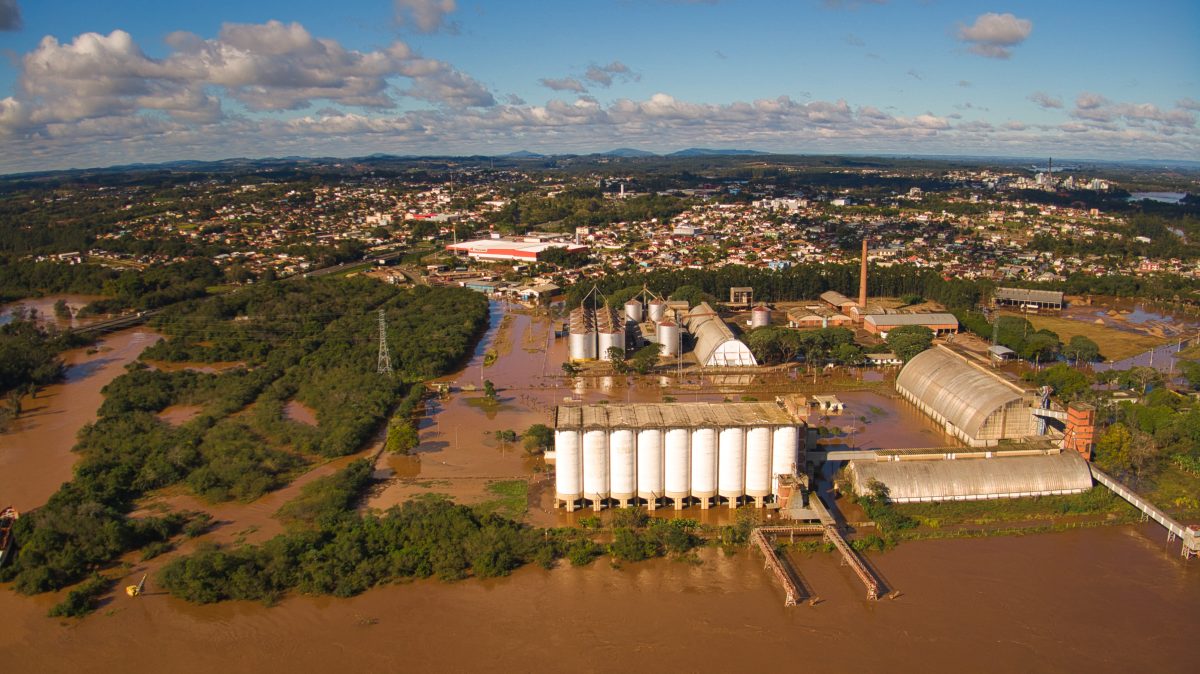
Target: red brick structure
{"x": 1080, "y": 435}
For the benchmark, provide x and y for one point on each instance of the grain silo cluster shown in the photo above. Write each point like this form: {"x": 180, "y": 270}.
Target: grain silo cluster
{"x": 593, "y": 331}
{"x": 681, "y": 453}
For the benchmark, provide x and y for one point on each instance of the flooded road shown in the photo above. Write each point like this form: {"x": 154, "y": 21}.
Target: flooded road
{"x": 35, "y": 453}
{"x": 1099, "y": 600}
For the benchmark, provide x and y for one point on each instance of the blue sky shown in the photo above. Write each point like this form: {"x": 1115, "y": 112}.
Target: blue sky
{"x": 87, "y": 83}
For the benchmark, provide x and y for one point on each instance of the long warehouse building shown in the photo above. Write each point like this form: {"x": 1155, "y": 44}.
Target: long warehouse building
{"x": 682, "y": 452}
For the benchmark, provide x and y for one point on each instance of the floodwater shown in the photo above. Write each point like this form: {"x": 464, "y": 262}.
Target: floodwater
{"x": 1161, "y": 197}
{"x": 1107, "y": 599}
{"x": 35, "y": 454}
{"x": 1097, "y": 600}
{"x": 44, "y": 306}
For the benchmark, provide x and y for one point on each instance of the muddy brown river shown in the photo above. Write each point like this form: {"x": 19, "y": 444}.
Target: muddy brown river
{"x": 1097, "y": 600}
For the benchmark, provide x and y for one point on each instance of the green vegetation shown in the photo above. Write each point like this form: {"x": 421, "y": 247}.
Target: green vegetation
{"x": 907, "y": 341}
{"x": 937, "y": 515}
{"x": 29, "y": 355}
{"x": 301, "y": 340}
{"x": 83, "y": 599}
{"x": 326, "y": 498}
{"x": 537, "y": 439}
{"x": 512, "y": 499}
{"x": 772, "y": 345}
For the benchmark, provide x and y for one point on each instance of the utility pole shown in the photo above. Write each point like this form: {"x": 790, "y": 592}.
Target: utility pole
{"x": 385, "y": 360}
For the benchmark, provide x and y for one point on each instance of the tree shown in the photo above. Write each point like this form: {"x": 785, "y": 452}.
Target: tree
{"x": 1081, "y": 348}
{"x": 538, "y": 438}
{"x": 489, "y": 389}
{"x": 907, "y": 341}
{"x": 570, "y": 369}
{"x": 1113, "y": 450}
{"x": 645, "y": 358}
{"x": 616, "y": 356}
{"x": 1067, "y": 382}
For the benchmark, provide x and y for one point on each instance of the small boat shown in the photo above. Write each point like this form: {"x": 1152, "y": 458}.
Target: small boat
{"x": 8, "y": 518}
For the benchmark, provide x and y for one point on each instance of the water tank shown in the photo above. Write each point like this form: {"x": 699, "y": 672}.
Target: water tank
{"x": 657, "y": 310}
{"x": 668, "y": 336}
{"x": 758, "y": 461}
{"x": 760, "y": 317}
{"x": 704, "y": 462}
{"x": 583, "y": 345}
{"x": 784, "y": 451}
{"x": 650, "y": 464}
{"x": 622, "y": 464}
{"x": 677, "y": 480}
{"x": 633, "y": 311}
{"x": 568, "y": 455}
{"x": 731, "y": 462}
{"x": 608, "y": 340}
{"x": 595, "y": 465}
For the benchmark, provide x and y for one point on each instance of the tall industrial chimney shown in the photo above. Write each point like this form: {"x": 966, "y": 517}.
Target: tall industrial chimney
{"x": 862, "y": 280}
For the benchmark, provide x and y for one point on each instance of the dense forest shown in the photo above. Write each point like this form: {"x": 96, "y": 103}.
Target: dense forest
{"x": 583, "y": 206}
{"x": 313, "y": 341}
{"x": 28, "y": 360}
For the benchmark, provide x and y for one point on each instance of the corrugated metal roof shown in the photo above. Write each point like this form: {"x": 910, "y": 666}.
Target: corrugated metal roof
{"x": 710, "y": 332}
{"x": 1026, "y": 295}
{"x": 967, "y": 478}
{"x": 891, "y": 320}
{"x": 835, "y": 298}
{"x": 672, "y": 415}
{"x": 961, "y": 392}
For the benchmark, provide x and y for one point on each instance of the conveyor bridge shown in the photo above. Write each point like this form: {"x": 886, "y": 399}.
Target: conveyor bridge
{"x": 1188, "y": 535}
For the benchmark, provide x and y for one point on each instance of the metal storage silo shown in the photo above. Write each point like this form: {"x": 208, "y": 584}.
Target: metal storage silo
{"x": 595, "y": 466}
{"x": 704, "y": 465}
{"x": 568, "y": 467}
{"x": 677, "y": 479}
{"x": 622, "y": 466}
{"x": 760, "y": 317}
{"x": 731, "y": 462}
{"x": 668, "y": 336}
{"x": 633, "y": 311}
{"x": 608, "y": 340}
{"x": 650, "y": 466}
{"x": 657, "y": 310}
{"x": 784, "y": 449}
{"x": 583, "y": 345}
{"x": 758, "y": 464}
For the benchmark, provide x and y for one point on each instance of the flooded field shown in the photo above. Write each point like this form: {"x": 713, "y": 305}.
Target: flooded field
{"x": 1100, "y": 600}
{"x": 44, "y": 306}
{"x": 1083, "y": 600}
{"x": 35, "y": 454}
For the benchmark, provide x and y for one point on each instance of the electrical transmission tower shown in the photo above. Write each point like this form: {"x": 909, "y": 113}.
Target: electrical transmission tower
{"x": 385, "y": 360}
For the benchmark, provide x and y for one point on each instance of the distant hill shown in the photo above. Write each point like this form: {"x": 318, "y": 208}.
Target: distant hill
{"x": 626, "y": 152}
{"x": 705, "y": 152}
{"x": 523, "y": 154}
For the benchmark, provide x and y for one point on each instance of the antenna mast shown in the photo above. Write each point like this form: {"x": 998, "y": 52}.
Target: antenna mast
{"x": 385, "y": 359}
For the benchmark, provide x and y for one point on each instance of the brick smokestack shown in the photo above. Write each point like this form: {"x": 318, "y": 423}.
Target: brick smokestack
{"x": 862, "y": 280}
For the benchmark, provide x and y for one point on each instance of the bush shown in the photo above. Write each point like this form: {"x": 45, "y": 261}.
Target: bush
{"x": 83, "y": 599}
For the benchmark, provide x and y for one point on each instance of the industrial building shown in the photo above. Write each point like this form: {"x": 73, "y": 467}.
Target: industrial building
{"x": 594, "y": 330}
{"x": 882, "y": 324}
{"x": 682, "y": 452}
{"x": 715, "y": 344}
{"x": 1028, "y": 299}
{"x": 971, "y": 402}
{"x": 975, "y": 479}
{"x": 524, "y": 249}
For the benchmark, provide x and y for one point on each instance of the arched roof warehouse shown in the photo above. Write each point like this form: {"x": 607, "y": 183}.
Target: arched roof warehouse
{"x": 975, "y": 479}
{"x": 973, "y": 403}
{"x": 715, "y": 344}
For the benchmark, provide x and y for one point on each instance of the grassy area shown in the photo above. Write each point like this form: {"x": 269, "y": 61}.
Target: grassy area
{"x": 1098, "y": 501}
{"x": 1178, "y": 493}
{"x": 1114, "y": 344}
{"x": 512, "y": 501}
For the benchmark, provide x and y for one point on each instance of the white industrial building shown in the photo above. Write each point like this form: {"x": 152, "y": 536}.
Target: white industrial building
{"x": 715, "y": 344}
{"x": 647, "y": 453}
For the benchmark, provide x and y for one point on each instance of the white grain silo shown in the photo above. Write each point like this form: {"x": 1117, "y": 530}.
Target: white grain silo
{"x": 668, "y": 336}
{"x": 677, "y": 461}
{"x": 760, "y": 317}
{"x": 633, "y": 311}
{"x": 784, "y": 448}
{"x": 622, "y": 466}
{"x": 568, "y": 468}
{"x": 650, "y": 466}
{"x": 758, "y": 464}
{"x": 657, "y": 310}
{"x": 609, "y": 340}
{"x": 595, "y": 466}
{"x": 731, "y": 463}
{"x": 582, "y": 345}
{"x": 704, "y": 465}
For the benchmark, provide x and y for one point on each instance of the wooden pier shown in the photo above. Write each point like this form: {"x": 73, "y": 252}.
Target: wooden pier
{"x": 761, "y": 537}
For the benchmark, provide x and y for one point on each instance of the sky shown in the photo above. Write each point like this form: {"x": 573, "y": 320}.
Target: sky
{"x": 86, "y": 84}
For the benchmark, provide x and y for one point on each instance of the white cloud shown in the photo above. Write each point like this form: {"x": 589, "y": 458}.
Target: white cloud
{"x": 603, "y": 75}
{"x": 1045, "y": 100}
{"x": 426, "y": 16}
{"x": 1188, "y": 104}
{"x": 993, "y": 34}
